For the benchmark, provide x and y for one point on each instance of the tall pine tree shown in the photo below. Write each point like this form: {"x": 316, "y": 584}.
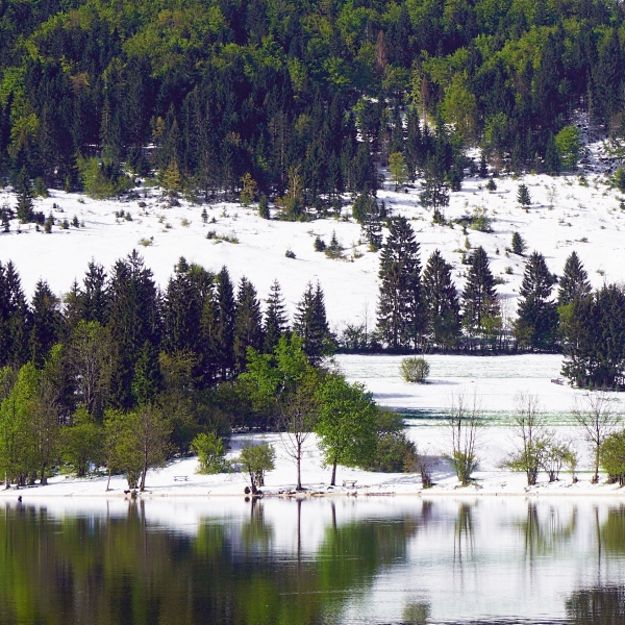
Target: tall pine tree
{"x": 441, "y": 302}
{"x": 479, "y": 298}
{"x": 574, "y": 281}
{"x": 311, "y": 324}
{"x": 400, "y": 315}
{"x": 276, "y": 321}
{"x": 537, "y": 318}
{"x": 247, "y": 331}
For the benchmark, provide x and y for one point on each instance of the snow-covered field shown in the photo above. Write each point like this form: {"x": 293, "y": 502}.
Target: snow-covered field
{"x": 566, "y": 214}
{"x": 497, "y": 383}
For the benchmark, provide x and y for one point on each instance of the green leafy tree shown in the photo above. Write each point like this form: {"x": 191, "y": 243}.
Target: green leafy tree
{"x": 568, "y": 145}
{"x": 256, "y": 461}
{"x": 347, "y": 423}
{"x": 398, "y": 169}
{"x": 211, "y": 453}
{"x": 81, "y": 442}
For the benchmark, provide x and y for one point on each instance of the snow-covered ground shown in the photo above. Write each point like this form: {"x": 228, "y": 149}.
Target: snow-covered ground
{"x": 567, "y": 213}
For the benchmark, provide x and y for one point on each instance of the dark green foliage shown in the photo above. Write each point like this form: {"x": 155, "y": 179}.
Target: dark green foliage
{"x": 400, "y": 314}
{"x": 247, "y": 330}
{"x": 394, "y": 453}
{"x": 319, "y": 244}
{"x": 537, "y": 317}
{"x": 46, "y": 322}
{"x": 311, "y": 324}
{"x": 523, "y": 196}
{"x": 276, "y": 322}
{"x": 263, "y": 207}
{"x": 134, "y": 319}
{"x": 15, "y": 318}
{"x": 518, "y": 244}
{"x": 574, "y": 282}
{"x": 5, "y": 217}
{"x": 148, "y": 380}
{"x": 593, "y": 329}
{"x": 479, "y": 298}
{"x": 441, "y": 302}
{"x": 23, "y": 189}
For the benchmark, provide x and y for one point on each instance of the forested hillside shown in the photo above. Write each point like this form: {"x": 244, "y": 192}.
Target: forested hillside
{"x": 306, "y": 97}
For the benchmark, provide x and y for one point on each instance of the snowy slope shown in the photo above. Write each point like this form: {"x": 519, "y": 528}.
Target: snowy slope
{"x": 567, "y": 214}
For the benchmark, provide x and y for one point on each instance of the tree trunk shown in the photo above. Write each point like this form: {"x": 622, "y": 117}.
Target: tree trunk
{"x": 44, "y": 478}
{"x": 595, "y": 477}
{"x": 299, "y": 470}
{"x": 333, "y": 482}
{"x": 143, "y": 474}
{"x": 108, "y": 482}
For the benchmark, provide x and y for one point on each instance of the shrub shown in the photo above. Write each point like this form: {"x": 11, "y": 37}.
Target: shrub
{"x": 414, "y": 370}
{"x": 319, "y": 244}
{"x": 211, "y": 453}
{"x": 289, "y": 254}
{"x": 394, "y": 454}
{"x": 491, "y": 185}
{"x": 613, "y": 456}
{"x": 256, "y": 461}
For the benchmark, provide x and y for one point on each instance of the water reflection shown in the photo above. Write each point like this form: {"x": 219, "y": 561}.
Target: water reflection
{"x": 397, "y": 561}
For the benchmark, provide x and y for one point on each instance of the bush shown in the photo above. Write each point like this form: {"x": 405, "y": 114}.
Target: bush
{"x": 289, "y": 254}
{"x": 256, "y": 461}
{"x": 491, "y": 185}
{"x": 319, "y": 244}
{"x": 414, "y": 370}
{"x": 211, "y": 453}
{"x": 394, "y": 454}
{"x": 613, "y": 456}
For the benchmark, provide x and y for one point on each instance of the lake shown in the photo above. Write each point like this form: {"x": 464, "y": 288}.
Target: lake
{"x": 323, "y": 561}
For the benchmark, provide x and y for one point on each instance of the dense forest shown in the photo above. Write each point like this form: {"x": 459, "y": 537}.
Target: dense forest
{"x": 305, "y": 98}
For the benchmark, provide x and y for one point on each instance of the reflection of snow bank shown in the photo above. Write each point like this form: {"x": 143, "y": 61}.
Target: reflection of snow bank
{"x": 494, "y": 444}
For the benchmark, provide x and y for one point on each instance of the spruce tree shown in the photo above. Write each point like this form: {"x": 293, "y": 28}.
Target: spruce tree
{"x": 5, "y": 217}
{"x": 46, "y": 323}
{"x": 147, "y": 381}
{"x": 15, "y": 318}
{"x": 441, "y": 302}
{"x": 224, "y": 310}
{"x": 479, "y": 298}
{"x": 95, "y": 294}
{"x": 537, "y": 318}
{"x": 276, "y": 322}
{"x": 311, "y": 324}
{"x": 574, "y": 281}
{"x": 134, "y": 319}
{"x": 24, "y": 192}
{"x": 523, "y": 196}
{"x": 400, "y": 318}
{"x": 517, "y": 244}
{"x": 247, "y": 330}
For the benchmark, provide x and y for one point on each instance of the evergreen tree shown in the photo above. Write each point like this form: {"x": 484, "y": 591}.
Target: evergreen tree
{"x": 518, "y": 245}
{"x": 537, "y": 318}
{"x": 441, "y": 302}
{"x": 400, "y": 316}
{"x": 479, "y": 298}
{"x": 46, "y": 322}
{"x": 15, "y": 318}
{"x": 134, "y": 319}
{"x": 24, "y": 192}
{"x": 276, "y": 323}
{"x": 247, "y": 331}
{"x": 95, "y": 294}
{"x": 147, "y": 381}
{"x": 523, "y": 196}
{"x": 574, "y": 281}
{"x": 311, "y": 324}
{"x": 224, "y": 311}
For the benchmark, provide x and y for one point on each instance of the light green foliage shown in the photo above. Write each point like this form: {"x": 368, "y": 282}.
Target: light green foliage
{"x": 81, "y": 442}
{"x": 568, "y": 145}
{"x": 347, "y": 424}
{"x": 211, "y": 453}
{"x": 414, "y": 370}
{"x": 17, "y": 444}
{"x": 613, "y": 456}
{"x": 397, "y": 168}
{"x": 256, "y": 462}
{"x": 136, "y": 441}
{"x": 101, "y": 179}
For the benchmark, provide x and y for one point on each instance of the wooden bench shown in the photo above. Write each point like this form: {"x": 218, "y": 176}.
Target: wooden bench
{"x": 349, "y": 483}
{"x": 181, "y": 478}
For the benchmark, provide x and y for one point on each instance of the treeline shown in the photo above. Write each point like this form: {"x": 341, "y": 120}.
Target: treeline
{"x": 145, "y": 363}
{"x": 305, "y": 99}
{"x": 423, "y": 310}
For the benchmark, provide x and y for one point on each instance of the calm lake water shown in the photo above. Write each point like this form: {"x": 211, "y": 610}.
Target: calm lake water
{"x": 386, "y": 560}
